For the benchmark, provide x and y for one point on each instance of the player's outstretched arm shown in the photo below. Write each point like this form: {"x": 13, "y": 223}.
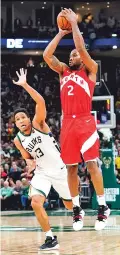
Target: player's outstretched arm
{"x": 40, "y": 114}
{"x": 90, "y": 64}
{"x": 48, "y": 56}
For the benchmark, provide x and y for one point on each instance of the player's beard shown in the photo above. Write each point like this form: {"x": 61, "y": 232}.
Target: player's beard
{"x": 75, "y": 67}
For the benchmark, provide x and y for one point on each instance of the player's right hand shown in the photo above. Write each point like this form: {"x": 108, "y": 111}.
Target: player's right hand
{"x": 21, "y": 78}
{"x": 64, "y": 32}
{"x": 31, "y": 163}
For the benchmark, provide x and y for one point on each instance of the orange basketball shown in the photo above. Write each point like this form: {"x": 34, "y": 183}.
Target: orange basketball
{"x": 63, "y": 23}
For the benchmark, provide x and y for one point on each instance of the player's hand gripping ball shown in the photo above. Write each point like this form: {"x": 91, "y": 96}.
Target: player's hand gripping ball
{"x": 63, "y": 23}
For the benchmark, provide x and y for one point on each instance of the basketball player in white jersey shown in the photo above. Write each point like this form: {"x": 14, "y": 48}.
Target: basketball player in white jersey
{"x": 36, "y": 143}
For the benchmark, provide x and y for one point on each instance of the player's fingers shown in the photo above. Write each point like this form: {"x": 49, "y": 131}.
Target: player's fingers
{"x": 64, "y": 13}
{"x": 14, "y": 82}
{"x": 18, "y": 74}
{"x": 22, "y": 71}
{"x": 67, "y": 10}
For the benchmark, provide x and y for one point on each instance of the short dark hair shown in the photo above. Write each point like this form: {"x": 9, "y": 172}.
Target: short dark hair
{"x": 21, "y": 110}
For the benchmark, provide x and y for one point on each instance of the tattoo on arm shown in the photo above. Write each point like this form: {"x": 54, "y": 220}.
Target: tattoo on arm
{"x": 55, "y": 62}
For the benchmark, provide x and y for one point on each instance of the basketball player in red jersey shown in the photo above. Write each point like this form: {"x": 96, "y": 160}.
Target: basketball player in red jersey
{"x": 78, "y": 133}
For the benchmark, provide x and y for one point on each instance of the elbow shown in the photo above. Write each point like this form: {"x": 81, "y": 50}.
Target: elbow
{"x": 45, "y": 55}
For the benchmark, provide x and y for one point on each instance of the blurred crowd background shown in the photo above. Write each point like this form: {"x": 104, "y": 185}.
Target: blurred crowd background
{"x": 96, "y": 20}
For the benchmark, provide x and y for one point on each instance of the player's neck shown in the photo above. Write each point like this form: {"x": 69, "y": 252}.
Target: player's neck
{"x": 28, "y": 131}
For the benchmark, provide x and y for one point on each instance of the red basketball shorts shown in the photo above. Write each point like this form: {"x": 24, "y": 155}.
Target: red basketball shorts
{"x": 78, "y": 138}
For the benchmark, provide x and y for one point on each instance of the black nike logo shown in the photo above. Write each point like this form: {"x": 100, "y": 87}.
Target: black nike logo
{"x": 23, "y": 141}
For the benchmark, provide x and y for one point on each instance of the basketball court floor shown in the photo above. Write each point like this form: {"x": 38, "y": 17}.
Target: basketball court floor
{"x": 21, "y": 234}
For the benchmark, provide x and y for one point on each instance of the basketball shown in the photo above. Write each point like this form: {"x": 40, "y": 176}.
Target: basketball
{"x": 63, "y": 23}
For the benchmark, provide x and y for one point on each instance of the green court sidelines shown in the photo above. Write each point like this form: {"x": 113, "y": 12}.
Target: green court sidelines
{"x": 55, "y": 228}
{"x": 53, "y": 213}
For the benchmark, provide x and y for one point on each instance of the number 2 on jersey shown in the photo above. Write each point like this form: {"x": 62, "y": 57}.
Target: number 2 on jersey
{"x": 70, "y": 93}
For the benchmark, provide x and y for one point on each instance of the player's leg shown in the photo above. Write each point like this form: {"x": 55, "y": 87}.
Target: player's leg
{"x": 68, "y": 204}
{"x": 37, "y": 203}
{"x": 70, "y": 154}
{"x": 90, "y": 150}
{"x": 62, "y": 187}
{"x": 97, "y": 180}
{"x": 38, "y": 194}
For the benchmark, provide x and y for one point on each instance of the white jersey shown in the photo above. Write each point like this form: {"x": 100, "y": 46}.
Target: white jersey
{"x": 44, "y": 149}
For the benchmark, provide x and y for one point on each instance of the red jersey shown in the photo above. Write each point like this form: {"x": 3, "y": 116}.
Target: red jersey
{"x": 76, "y": 92}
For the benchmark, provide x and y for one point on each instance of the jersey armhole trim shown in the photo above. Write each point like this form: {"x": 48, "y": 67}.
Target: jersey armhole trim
{"x": 19, "y": 139}
{"x": 41, "y": 131}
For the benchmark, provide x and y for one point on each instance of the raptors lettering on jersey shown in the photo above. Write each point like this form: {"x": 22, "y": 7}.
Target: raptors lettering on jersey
{"x": 76, "y": 92}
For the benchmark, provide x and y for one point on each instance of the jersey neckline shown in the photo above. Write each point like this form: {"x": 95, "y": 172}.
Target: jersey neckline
{"x": 36, "y": 130}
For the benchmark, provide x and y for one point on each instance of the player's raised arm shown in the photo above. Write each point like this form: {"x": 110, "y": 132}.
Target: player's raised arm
{"x": 40, "y": 102}
{"x": 48, "y": 56}
{"x": 90, "y": 64}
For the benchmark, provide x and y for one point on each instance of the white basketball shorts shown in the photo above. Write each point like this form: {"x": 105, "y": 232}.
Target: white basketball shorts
{"x": 41, "y": 184}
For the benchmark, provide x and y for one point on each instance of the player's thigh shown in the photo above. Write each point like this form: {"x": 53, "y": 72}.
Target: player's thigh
{"x": 40, "y": 185}
{"x": 61, "y": 186}
{"x": 92, "y": 153}
{"x": 70, "y": 150}
{"x": 89, "y": 142}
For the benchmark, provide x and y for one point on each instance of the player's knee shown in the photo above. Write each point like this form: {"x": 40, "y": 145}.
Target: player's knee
{"x": 36, "y": 203}
{"x": 72, "y": 170}
{"x": 91, "y": 165}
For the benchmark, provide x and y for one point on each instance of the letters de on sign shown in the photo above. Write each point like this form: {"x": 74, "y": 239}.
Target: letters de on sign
{"x": 15, "y": 43}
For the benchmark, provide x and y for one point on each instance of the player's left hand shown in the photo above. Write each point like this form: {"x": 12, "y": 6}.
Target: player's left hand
{"x": 21, "y": 77}
{"x": 64, "y": 32}
{"x": 69, "y": 15}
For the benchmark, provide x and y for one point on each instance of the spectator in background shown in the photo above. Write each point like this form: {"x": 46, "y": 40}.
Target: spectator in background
{"x": 38, "y": 23}
{"x": 25, "y": 174}
{"x": 15, "y": 172}
{"x": 29, "y": 22}
{"x": 11, "y": 182}
{"x": 52, "y": 30}
{"x": 6, "y": 153}
{"x": 84, "y": 26}
{"x": 1, "y": 183}
{"x": 117, "y": 106}
{"x": 25, "y": 190}
{"x": 14, "y": 167}
{"x": 3, "y": 174}
{"x": 17, "y": 192}
{"x": 17, "y": 24}
{"x": 111, "y": 24}
{"x": 30, "y": 63}
{"x": 6, "y": 168}
{"x": 117, "y": 161}
{"x": 6, "y": 196}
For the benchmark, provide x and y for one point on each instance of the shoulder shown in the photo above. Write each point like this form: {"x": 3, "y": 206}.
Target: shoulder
{"x": 17, "y": 142}
{"x": 42, "y": 126}
{"x": 64, "y": 69}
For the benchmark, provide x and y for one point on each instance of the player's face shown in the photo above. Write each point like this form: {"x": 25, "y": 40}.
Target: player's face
{"x": 22, "y": 121}
{"x": 75, "y": 60}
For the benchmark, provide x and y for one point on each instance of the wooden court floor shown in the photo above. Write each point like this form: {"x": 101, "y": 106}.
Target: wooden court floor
{"x": 21, "y": 234}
